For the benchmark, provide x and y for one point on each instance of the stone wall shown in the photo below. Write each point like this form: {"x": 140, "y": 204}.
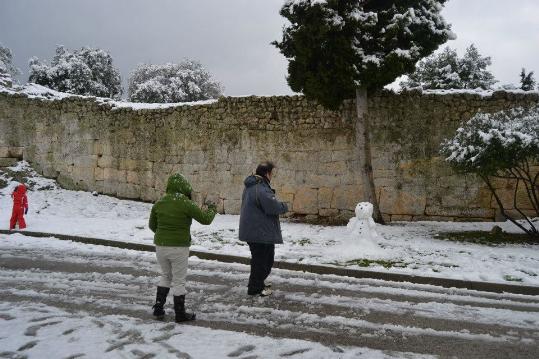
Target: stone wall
{"x": 91, "y": 145}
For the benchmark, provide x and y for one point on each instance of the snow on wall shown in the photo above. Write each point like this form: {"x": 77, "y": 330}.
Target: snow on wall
{"x": 128, "y": 150}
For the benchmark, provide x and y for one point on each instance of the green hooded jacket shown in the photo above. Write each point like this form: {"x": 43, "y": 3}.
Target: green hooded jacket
{"x": 171, "y": 216}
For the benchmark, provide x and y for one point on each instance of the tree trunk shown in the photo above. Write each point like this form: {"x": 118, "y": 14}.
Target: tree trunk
{"x": 363, "y": 142}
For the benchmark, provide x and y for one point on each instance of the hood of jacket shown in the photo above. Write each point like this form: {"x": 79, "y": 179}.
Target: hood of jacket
{"x": 177, "y": 183}
{"x": 20, "y": 189}
{"x": 253, "y": 179}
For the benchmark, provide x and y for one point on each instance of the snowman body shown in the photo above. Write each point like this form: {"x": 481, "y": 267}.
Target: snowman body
{"x": 362, "y": 225}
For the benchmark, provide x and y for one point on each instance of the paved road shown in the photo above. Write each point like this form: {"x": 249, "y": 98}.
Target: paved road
{"x": 335, "y": 311}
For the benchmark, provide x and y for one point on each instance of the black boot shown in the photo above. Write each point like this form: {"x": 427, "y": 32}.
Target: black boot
{"x": 179, "y": 309}
{"x": 160, "y": 299}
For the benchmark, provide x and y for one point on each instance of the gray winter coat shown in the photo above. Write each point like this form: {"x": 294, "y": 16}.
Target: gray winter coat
{"x": 260, "y": 210}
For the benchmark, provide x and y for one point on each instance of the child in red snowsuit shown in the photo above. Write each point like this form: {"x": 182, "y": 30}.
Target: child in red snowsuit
{"x": 20, "y": 207}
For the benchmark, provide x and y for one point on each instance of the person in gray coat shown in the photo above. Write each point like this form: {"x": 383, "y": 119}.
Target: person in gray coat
{"x": 260, "y": 227}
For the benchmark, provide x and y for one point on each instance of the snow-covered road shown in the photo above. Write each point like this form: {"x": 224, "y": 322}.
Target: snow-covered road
{"x": 64, "y": 298}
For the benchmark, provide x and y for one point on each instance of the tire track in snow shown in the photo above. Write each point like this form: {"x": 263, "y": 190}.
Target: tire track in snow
{"x": 320, "y": 308}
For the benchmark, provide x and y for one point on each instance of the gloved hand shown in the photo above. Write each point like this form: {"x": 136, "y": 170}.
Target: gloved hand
{"x": 26, "y": 210}
{"x": 210, "y": 204}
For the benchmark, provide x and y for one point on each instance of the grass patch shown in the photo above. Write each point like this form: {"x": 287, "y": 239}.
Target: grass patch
{"x": 446, "y": 265}
{"x": 302, "y": 242}
{"x": 511, "y": 278}
{"x": 363, "y": 262}
{"x": 22, "y": 176}
{"x": 488, "y": 238}
{"x": 531, "y": 274}
{"x": 3, "y": 183}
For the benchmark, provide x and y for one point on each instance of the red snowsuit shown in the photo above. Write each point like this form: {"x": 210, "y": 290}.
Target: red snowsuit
{"x": 20, "y": 204}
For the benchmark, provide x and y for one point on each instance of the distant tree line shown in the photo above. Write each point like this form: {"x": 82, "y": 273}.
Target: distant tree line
{"x": 90, "y": 72}
{"x": 445, "y": 71}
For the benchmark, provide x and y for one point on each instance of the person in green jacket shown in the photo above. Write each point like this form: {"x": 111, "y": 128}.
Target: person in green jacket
{"x": 170, "y": 220}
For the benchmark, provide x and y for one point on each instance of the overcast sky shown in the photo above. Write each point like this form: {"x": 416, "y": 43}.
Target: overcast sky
{"x": 232, "y": 37}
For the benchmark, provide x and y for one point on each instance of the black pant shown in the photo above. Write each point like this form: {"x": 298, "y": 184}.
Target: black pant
{"x": 262, "y": 256}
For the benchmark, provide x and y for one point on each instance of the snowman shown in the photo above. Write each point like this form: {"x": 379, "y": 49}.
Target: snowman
{"x": 362, "y": 225}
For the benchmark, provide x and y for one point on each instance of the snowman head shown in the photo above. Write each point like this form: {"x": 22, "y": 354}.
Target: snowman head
{"x": 364, "y": 210}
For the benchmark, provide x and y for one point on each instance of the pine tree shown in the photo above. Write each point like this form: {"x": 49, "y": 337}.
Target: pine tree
{"x": 86, "y": 71}
{"x": 335, "y": 47}
{"x": 338, "y": 49}
{"x": 527, "y": 81}
{"x": 473, "y": 70}
{"x": 440, "y": 71}
{"x": 184, "y": 82}
{"x": 447, "y": 71}
{"x": 7, "y": 69}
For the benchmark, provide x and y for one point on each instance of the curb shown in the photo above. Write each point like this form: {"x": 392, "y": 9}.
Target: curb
{"x": 310, "y": 268}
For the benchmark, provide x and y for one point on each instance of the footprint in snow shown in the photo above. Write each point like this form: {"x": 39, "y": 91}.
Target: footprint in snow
{"x": 241, "y": 350}
{"x": 164, "y": 337}
{"x": 42, "y": 318}
{"x": 32, "y": 331}
{"x": 28, "y": 345}
{"x": 172, "y": 350}
{"x": 69, "y": 331}
{"x": 294, "y": 352}
{"x": 75, "y": 356}
{"x": 142, "y": 355}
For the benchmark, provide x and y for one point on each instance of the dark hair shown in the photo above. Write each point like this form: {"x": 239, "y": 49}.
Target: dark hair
{"x": 264, "y": 168}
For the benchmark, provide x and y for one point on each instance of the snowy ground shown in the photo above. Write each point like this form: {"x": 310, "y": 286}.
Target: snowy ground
{"x": 408, "y": 247}
{"x": 64, "y": 300}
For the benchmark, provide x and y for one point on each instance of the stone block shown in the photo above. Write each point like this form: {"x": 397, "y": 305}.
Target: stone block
{"x": 332, "y": 168}
{"x": 231, "y": 206}
{"x": 8, "y": 162}
{"x": 112, "y": 174}
{"x": 325, "y": 195}
{"x": 110, "y": 187}
{"x": 148, "y": 194}
{"x": 98, "y": 148}
{"x": 194, "y": 157}
{"x": 321, "y": 180}
{"x": 523, "y": 201}
{"x": 306, "y": 201}
{"x": 85, "y": 161}
{"x": 107, "y": 161}
{"x": 146, "y": 178}
{"x": 506, "y": 197}
{"x": 328, "y": 212}
{"x": 128, "y": 190}
{"x": 85, "y": 174}
{"x": 483, "y": 199}
{"x": 4, "y": 151}
{"x": 98, "y": 186}
{"x": 406, "y": 202}
{"x": 16, "y": 152}
{"x": 460, "y": 196}
{"x": 132, "y": 177}
{"x": 99, "y": 174}
{"x": 50, "y": 171}
{"x": 464, "y": 212}
{"x": 346, "y": 197}
{"x": 342, "y": 155}
{"x": 400, "y": 217}
{"x": 128, "y": 164}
